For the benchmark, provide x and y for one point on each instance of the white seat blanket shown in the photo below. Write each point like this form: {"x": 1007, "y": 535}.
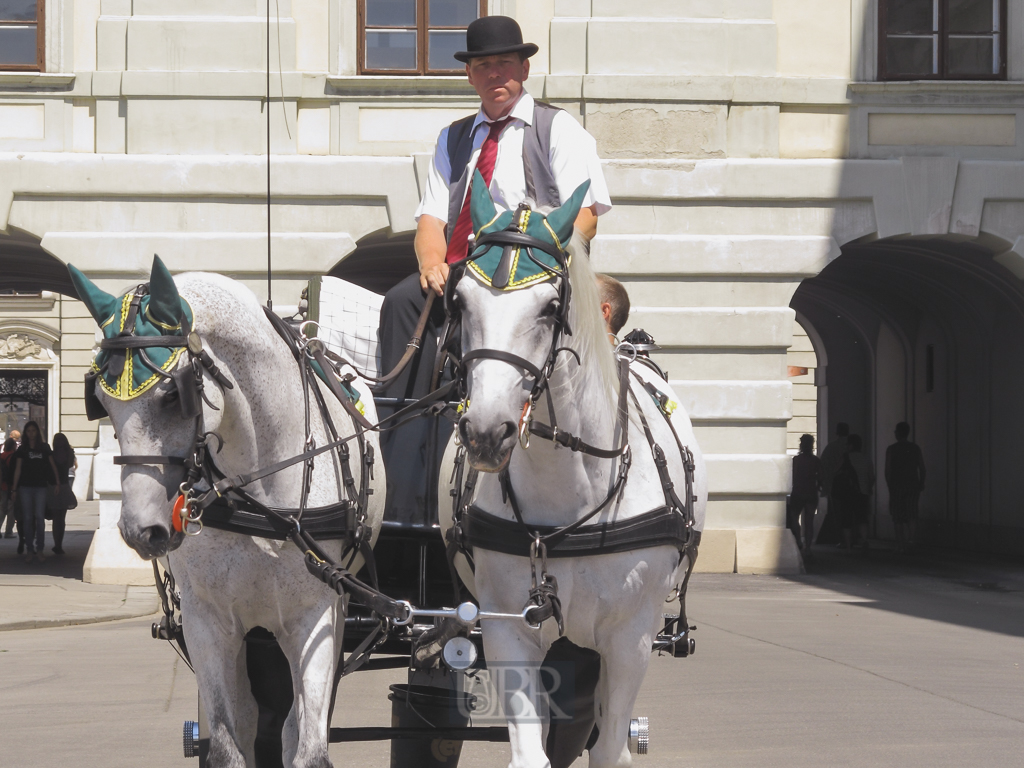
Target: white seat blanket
{"x": 349, "y": 318}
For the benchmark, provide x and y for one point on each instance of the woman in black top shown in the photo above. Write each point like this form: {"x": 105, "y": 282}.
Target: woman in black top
{"x": 64, "y": 458}
{"x": 34, "y": 469}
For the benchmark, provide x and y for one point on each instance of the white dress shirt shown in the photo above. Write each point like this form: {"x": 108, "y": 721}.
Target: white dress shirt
{"x": 573, "y": 161}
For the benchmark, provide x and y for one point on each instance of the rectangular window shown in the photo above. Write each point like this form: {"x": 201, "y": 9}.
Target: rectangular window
{"x": 942, "y": 40}
{"x": 414, "y": 37}
{"x": 21, "y": 35}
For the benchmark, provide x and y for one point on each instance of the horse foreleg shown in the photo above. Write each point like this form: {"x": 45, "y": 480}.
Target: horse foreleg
{"x": 514, "y": 655}
{"x": 311, "y": 649}
{"x": 624, "y": 663}
{"x": 218, "y": 655}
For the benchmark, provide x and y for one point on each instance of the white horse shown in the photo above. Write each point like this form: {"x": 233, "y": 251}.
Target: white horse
{"x": 612, "y": 603}
{"x": 230, "y": 582}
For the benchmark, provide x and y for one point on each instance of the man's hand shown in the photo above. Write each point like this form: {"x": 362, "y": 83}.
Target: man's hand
{"x": 434, "y": 277}
{"x": 431, "y": 249}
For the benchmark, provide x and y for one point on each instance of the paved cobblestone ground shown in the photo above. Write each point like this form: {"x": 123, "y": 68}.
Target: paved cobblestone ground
{"x": 914, "y": 663}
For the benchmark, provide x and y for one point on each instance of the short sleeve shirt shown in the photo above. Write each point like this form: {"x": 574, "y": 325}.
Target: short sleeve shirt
{"x": 573, "y": 160}
{"x": 35, "y": 465}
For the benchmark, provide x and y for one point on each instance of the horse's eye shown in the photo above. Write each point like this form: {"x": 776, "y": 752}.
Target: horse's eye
{"x": 169, "y": 397}
{"x": 551, "y": 310}
{"x": 457, "y": 303}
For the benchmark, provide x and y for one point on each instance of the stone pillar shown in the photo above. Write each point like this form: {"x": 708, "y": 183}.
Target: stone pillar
{"x": 110, "y": 560}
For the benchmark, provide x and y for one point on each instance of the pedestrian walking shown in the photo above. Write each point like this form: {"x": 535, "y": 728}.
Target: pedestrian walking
{"x": 832, "y": 458}
{"x": 904, "y": 475}
{"x": 7, "y": 509}
{"x": 34, "y": 469}
{"x": 856, "y": 501}
{"x": 64, "y": 458}
{"x": 804, "y": 496}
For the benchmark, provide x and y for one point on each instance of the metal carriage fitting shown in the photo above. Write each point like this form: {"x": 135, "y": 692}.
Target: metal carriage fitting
{"x": 467, "y": 614}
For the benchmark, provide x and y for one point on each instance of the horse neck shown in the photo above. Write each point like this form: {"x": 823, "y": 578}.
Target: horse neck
{"x": 263, "y": 418}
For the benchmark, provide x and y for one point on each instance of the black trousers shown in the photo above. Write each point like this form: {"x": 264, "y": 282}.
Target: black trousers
{"x": 412, "y": 453}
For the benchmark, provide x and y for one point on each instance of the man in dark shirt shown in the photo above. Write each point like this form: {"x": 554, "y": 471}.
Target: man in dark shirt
{"x": 806, "y": 486}
{"x": 904, "y": 474}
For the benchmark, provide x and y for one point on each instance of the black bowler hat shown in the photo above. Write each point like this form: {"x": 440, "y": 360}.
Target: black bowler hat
{"x": 492, "y": 35}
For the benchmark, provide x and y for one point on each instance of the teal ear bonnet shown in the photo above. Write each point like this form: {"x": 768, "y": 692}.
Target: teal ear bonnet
{"x": 510, "y": 268}
{"x": 159, "y": 314}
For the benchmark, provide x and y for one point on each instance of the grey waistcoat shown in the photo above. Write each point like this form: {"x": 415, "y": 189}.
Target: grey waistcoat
{"x": 540, "y": 181}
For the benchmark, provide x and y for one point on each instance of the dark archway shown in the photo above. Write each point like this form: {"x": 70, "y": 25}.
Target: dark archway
{"x": 930, "y": 330}
{"x": 26, "y": 268}
{"x": 379, "y": 262}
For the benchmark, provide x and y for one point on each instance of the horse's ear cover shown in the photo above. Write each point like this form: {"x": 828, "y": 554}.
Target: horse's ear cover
{"x": 100, "y": 303}
{"x": 164, "y": 301}
{"x": 126, "y": 376}
{"x": 481, "y": 206}
{"x": 563, "y": 219}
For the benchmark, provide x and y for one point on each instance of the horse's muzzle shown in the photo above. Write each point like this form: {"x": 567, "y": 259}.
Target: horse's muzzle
{"x": 151, "y": 541}
{"x": 488, "y": 450}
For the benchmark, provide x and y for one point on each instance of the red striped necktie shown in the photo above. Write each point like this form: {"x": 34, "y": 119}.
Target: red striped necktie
{"x": 458, "y": 243}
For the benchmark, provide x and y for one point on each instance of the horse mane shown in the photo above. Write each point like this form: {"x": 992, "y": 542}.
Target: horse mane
{"x": 589, "y": 335}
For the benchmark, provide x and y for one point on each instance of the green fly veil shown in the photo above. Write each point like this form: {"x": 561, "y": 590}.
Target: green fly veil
{"x": 517, "y": 249}
{"x": 126, "y": 374}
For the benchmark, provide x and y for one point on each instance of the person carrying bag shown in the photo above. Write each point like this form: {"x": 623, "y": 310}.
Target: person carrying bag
{"x": 63, "y": 498}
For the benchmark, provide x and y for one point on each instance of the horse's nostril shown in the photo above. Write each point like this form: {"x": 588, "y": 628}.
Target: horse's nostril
{"x": 510, "y": 429}
{"x": 156, "y": 535}
{"x": 464, "y": 429}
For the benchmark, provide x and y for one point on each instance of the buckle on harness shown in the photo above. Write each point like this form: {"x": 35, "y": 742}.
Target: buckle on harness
{"x": 524, "y": 423}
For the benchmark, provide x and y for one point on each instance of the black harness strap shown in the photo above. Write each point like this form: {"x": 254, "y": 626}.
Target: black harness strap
{"x": 240, "y": 481}
{"x": 555, "y": 536}
{"x": 142, "y": 459}
{"x": 659, "y": 527}
{"x": 505, "y": 357}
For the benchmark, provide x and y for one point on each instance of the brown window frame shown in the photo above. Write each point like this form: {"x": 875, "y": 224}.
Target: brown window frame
{"x": 943, "y": 42}
{"x": 422, "y": 29}
{"x": 40, "y": 23}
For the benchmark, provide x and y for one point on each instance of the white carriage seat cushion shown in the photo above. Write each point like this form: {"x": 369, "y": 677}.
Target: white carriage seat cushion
{"x": 349, "y": 319}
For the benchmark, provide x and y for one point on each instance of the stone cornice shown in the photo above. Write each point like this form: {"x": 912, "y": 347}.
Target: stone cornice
{"x": 699, "y": 88}
{"x": 915, "y": 87}
{"x": 36, "y": 81}
{"x": 392, "y": 86}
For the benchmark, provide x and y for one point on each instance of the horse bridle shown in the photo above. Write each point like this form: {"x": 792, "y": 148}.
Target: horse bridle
{"x": 514, "y": 238}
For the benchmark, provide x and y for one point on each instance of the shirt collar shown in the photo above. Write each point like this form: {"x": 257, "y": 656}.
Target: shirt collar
{"x": 521, "y": 110}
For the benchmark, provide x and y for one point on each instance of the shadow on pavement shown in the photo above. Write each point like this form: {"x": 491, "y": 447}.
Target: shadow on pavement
{"x": 967, "y": 589}
{"x": 66, "y": 566}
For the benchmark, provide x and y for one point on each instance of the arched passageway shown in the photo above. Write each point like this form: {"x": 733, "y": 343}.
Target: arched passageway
{"x": 379, "y": 262}
{"x": 26, "y": 268}
{"x": 929, "y": 331}
{"x": 31, "y": 327}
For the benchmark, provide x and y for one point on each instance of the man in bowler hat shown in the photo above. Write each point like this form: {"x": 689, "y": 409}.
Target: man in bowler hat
{"x": 524, "y": 149}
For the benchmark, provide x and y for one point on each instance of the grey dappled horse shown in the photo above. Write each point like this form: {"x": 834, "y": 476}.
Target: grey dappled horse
{"x": 229, "y": 582}
{"x": 611, "y": 603}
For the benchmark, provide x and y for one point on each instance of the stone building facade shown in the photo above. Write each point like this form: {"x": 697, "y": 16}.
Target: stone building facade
{"x": 811, "y": 235}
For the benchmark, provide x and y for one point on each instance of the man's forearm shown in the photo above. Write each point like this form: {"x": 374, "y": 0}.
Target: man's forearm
{"x": 586, "y": 222}
{"x": 431, "y": 250}
{"x": 429, "y": 243}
